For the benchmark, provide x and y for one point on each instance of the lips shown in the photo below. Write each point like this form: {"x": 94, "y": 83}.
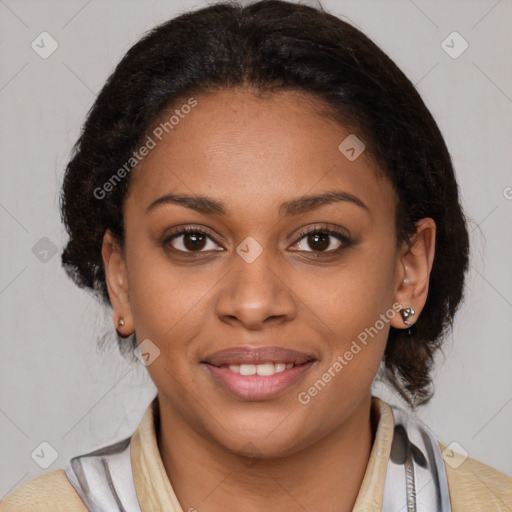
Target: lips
{"x": 258, "y": 387}
{"x": 257, "y": 373}
{"x": 255, "y": 356}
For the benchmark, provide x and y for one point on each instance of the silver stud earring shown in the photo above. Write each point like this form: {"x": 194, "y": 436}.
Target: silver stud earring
{"x": 406, "y": 313}
{"x": 120, "y": 322}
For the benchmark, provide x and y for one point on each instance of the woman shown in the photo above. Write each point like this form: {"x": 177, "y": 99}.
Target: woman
{"x": 270, "y": 210}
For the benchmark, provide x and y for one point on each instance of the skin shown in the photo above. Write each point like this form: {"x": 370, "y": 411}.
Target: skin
{"x": 220, "y": 452}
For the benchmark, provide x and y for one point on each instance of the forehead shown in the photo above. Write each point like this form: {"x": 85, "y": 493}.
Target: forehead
{"x": 249, "y": 151}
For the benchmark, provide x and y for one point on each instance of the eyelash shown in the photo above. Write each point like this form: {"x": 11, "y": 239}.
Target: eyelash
{"x": 324, "y": 230}
{"x": 346, "y": 241}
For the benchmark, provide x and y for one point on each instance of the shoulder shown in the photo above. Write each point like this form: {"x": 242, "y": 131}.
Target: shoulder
{"x": 474, "y": 485}
{"x": 49, "y": 492}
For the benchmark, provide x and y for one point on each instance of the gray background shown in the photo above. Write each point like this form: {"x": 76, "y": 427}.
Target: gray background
{"x": 58, "y": 386}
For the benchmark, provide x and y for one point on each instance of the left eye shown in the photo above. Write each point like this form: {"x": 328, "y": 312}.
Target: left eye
{"x": 320, "y": 240}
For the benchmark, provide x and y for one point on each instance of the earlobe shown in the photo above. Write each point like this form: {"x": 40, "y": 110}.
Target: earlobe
{"x": 117, "y": 284}
{"x": 415, "y": 265}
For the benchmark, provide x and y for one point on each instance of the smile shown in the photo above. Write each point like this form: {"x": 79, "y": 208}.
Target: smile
{"x": 258, "y": 382}
{"x": 260, "y": 369}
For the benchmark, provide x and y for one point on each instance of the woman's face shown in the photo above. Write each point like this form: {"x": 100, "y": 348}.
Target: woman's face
{"x": 252, "y": 277}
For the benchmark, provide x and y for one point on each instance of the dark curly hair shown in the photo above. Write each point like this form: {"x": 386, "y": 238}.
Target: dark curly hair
{"x": 274, "y": 45}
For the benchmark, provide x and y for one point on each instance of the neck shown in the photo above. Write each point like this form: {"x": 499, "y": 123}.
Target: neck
{"x": 325, "y": 476}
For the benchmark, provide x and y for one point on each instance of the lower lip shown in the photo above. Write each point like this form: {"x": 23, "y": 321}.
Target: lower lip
{"x": 257, "y": 387}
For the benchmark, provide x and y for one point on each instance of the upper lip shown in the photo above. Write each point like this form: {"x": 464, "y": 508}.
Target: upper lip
{"x": 259, "y": 355}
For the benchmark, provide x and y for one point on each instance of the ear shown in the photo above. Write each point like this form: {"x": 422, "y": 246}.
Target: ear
{"x": 414, "y": 267}
{"x": 117, "y": 284}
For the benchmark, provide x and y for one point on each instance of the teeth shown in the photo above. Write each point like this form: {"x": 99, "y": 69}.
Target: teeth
{"x": 260, "y": 369}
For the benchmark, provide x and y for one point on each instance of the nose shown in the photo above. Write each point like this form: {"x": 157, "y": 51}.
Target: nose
{"x": 256, "y": 294}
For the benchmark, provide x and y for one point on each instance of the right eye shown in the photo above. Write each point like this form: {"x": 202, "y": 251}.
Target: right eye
{"x": 191, "y": 239}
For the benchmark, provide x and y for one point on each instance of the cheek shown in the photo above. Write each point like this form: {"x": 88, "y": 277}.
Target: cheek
{"x": 165, "y": 300}
{"x": 352, "y": 296}
{"x": 353, "y": 304}
{"x": 166, "y": 309}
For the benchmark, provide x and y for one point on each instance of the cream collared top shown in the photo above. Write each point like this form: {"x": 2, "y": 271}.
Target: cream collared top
{"x": 473, "y": 485}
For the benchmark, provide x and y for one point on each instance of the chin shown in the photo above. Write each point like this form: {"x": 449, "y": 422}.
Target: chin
{"x": 253, "y": 449}
{"x": 264, "y": 439}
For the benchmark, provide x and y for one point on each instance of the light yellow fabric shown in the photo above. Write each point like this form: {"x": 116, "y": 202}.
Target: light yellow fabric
{"x": 44, "y": 493}
{"x": 474, "y": 486}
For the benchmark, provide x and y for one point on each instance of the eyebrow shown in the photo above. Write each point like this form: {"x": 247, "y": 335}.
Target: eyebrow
{"x": 301, "y": 205}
